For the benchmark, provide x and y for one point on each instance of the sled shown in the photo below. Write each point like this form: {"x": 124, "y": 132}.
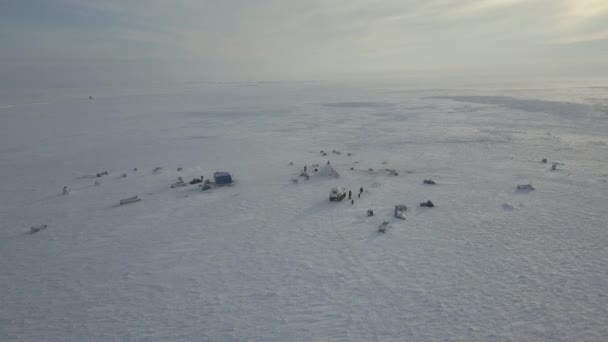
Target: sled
{"x": 178, "y": 185}
{"x": 384, "y": 227}
{"x": 130, "y": 200}
{"x": 36, "y": 229}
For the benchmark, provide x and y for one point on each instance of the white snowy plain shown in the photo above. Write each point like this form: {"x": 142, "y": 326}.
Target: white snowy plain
{"x": 269, "y": 260}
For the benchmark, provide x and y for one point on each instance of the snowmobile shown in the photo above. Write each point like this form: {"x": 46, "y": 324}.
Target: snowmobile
{"x": 400, "y": 210}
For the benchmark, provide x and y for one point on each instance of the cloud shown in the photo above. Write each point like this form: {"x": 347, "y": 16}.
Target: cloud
{"x": 582, "y": 38}
{"x": 234, "y": 39}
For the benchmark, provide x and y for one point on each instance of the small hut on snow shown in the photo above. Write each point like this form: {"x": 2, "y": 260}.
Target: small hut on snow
{"x": 328, "y": 171}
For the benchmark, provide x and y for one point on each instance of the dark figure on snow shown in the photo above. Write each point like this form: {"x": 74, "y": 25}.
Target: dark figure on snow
{"x": 350, "y": 194}
{"x": 328, "y": 162}
{"x": 352, "y": 201}
{"x": 304, "y": 168}
{"x": 361, "y": 190}
{"x": 359, "y": 195}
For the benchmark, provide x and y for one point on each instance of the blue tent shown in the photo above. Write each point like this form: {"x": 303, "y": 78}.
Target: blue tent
{"x": 222, "y": 178}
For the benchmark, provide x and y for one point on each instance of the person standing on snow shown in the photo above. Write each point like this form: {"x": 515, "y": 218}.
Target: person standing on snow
{"x": 350, "y": 194}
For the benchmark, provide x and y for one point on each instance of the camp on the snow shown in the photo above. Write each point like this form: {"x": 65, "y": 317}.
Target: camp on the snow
{"x": 328, "y": 171}
{"x": 222, "y": 178}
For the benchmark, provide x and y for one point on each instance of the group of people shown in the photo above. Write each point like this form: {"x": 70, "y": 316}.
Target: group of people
{"x": 350, "y": 195}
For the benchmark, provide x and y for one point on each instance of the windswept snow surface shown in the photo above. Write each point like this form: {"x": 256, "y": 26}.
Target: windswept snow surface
{"x": 269, "y": 260}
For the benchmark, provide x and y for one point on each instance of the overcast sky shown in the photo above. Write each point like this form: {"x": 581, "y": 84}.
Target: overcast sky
{"x": 74, "y": 41}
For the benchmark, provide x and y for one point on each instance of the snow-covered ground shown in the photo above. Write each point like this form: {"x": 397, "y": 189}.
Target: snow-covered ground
{"x": 269, "y": 260}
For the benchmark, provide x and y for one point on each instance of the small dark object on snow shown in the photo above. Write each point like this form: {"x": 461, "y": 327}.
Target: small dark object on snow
{"x": 544, "y": 161}
{"x": 316, "y": 170}
{"x": 135, "y": 169}
{"x": 350, "y": 194}
{"x": 361, "y": 190}
{"x": 180, "y": 182}
{"x": 179, "y": 169}
{"x": 156, "y": 170}
{"x": 196, "y": 181}
{"x": 206, "y": 187}
{"x": 392, "y": 172}
{"x": 359, "y": 195}
{"x": 352, "y": 168}
{"x": 36, "y": 229}
{"x": 352, "y": 201}
{"x": 90, "y": 97}
{"x": 427, "y": 204}
{"x": 290, "y": 163}
{"x": 130, "y": 200}
{"x": 328, "y": 162}
{"x": 304, "y": 168}
{"x": 525, "y": 187}
{"x": 349, "y": 154}
{"x": 370, "y": 212}
{"x": 429, "y": 181}
{"x": 554, "y": 167}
